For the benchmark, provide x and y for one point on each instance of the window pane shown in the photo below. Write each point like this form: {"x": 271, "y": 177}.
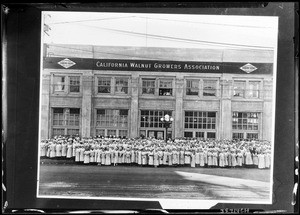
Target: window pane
{"x": 58, "y": 110}
{"x": 100, "y": 132}
{"x": 123, "y": 133}
{"x": 239, "y": 89}
{"x": 74, "y": 83}
{"x": 151, "y": 118}
{"x": 112, "y": 118}
{"x": 58, "y": 131}
{"x": 192, "y": 87}
{"x": 74, "y": 110}
{"x": 188, "y": 134}
{"x": 237, "y": 136}
{"x": 193, "y": 120}
{"x": 252, "y": 136}
{"x": 165, "y": 87}
{"x": 111, "y": 132}
{"x": 121, "y": 85}
{"x": 211, "y": 135}
{"x": 148, "y": 86}
{"x": 209, "y": 88}
{"x": 72, "y": 132}
{"x": 104, "y": 84}
{"x": 245, "y": 120}
{"x": 59, "y": 83}
{"x": 254, "y": 89}
{"x": 200, "y": 134}
{"x": 101, "y": 112}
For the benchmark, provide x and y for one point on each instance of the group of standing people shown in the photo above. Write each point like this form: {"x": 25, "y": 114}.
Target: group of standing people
{"x": 156, "y": 153}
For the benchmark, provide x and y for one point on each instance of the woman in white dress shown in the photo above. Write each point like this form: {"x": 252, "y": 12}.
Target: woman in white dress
{"x": 69, "y": 150}
{"x": 261, "y": 161}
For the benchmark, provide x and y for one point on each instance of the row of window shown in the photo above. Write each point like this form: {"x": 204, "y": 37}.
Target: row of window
{"x": 114, "y": 122}
{"x": 157, "y": 86}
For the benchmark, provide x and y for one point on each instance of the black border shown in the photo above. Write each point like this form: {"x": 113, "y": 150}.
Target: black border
{"x": 23, "y": 30}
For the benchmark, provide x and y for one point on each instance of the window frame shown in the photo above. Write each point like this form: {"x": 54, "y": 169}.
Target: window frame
{"x": 215, "y": 89}
{"x": 245, "y": 128}
{"x": 65, "y": 121}
{"x": 243, "y": 90}
{"x": 115, "y": 78}
{"x": 200, "y": 114}
{"x": 67, "y": 86}
{"x": 109, "y": 124}
{"x": 54, "y": 91}
{"x": 143, "y": 87}
{"x": 110, "y": 86}
{"x": 160, "y": 80}
{"x": 246, "y": 90}
{"x": 186, "y": 86}
{"x": 79, "y": 86}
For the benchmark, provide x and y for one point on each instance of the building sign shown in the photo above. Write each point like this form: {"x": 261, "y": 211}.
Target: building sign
{"x": 248, "y": 68}
{"x": 66, "y": 63}
{"x": 156, "y": 66}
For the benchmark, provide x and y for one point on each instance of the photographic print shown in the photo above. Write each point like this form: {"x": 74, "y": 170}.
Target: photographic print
{"x": 157, "y": 106}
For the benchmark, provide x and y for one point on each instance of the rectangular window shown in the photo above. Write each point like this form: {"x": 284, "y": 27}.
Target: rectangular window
{"x": 59, "y": 83}
{"x": 58, "y": 131}
{"x": 111, "y": 132}
{"x": 72, "y": 132}
{"x": 148, "y": 86}
{"x": 73, "y": 117}
{"x": 142, "y": 133}
{"x": 211, "y": 135}
{"x": 74, "y": 84}
{"x": 58, "y": 116}
{"x": 151, "y": 118}
{"x": 121, "y": 85}
{"x": 200, "y": 134}
{"x": 104, "y": 84}
{"x": 112, "y": 118}
{"x": 165, "y": 87}
{"x": 254, "y": 89}
{"x": 65, "y": 119}
{"x": 192, "y": 87}
{"x": 123, "y": 133}
{"x": 238, "y": 136}
{"x": 188, "y": 134}
{"x": 209, "y": 88}
{"x": 239, "y": 89}
{"x": 200, "y": 120}
{"x": 245, "y": 121}
{"x": 252, "y": 136}
{"x": 100, "y": 132}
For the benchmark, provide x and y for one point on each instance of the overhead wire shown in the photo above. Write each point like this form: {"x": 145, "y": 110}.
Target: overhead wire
{"x": 89, "y": 20}
{"x": 185, "y": 40}
{"x": 205, "y": 23}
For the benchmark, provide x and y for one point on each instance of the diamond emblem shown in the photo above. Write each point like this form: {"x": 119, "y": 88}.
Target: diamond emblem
{"x": 248, "y": 68}
{"x": 66, "y": 63}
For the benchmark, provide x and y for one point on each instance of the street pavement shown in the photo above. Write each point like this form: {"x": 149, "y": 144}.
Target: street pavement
{"x": 72, "y": 180}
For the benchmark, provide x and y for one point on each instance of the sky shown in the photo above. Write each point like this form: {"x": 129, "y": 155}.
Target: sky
{"x": 161, "y": 30}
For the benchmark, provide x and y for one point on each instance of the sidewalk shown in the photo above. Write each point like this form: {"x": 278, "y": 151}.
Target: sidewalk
{"x": 66, "y": 161}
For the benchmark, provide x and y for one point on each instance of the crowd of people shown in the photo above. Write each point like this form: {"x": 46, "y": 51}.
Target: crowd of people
{"x": 111, "y": 151}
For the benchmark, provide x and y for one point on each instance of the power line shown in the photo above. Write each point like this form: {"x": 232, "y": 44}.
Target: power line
{"x": 206, "y": 23}
{"x": 183, "y": 39}
{"x": 89, "y": 20}
{"x": 163, "y": 19}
